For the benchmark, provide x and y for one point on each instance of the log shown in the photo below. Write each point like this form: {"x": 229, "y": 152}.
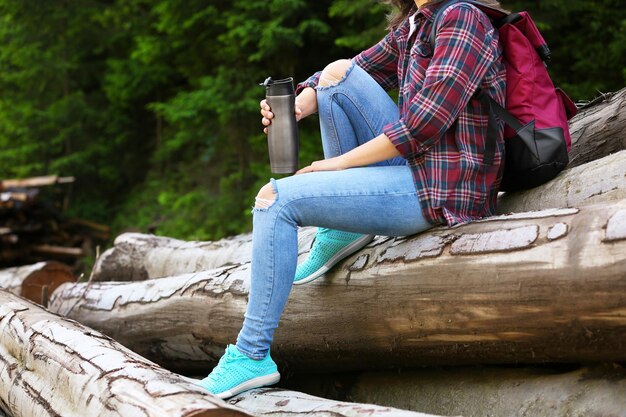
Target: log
{"x": 137, "y": 257}
{"x": 595, "y": 182}
{"x": 283, "y": 403}
{"x": 51, "y": 366}
{"x": 599, "y": 130}
{"x": 591, "y": 391}
{"x": 538, "y": 287}
{"x": 35, "y": 281}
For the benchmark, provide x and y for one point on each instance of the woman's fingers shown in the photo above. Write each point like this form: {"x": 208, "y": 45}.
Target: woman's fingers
{"x": 266, "y": 113}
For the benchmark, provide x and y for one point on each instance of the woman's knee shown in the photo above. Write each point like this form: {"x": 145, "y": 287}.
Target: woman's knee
{"x": 334, "y": 72}
{"x": 266, "y": 196}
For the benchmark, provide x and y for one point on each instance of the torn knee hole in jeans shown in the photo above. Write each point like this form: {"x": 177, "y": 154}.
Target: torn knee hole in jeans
{"x": 266, "y": 197}
{"x": 262, "y": 202}
{"x": 334, "y": 73}
{"x": 329, "y": 80}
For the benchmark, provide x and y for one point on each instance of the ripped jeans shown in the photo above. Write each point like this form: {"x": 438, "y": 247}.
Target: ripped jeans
{"x": 379, "y": 200}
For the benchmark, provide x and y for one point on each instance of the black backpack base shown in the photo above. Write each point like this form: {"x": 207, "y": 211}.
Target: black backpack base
{"x": 533, "y": 157}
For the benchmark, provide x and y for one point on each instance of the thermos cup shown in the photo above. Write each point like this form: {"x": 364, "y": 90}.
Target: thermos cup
{"x": 282, "y": 133}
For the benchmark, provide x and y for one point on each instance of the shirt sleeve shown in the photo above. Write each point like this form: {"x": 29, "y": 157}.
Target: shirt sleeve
{"x": 379, "y": 61}
{"x": 312, "y": 82}
{"x": 465, "y": 48}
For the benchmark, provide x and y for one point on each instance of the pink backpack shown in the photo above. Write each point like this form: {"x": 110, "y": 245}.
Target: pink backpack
{"x": 537, "y": 139}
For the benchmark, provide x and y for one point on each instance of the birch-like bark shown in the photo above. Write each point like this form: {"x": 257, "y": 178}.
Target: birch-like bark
{"x": 537, "y": 287}
{"x": 283, "y": 403}
{"x": 137, "y": 257}
{"x": 53, "y": 367}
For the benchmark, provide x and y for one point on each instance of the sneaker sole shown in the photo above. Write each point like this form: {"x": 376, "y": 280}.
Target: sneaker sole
{"x": 351, "y": 248}
{"x": 257, "y": 382}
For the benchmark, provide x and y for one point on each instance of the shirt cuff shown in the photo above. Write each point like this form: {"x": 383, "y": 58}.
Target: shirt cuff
{"x": 312, "y": 82}
{"x": 401, "y": 138}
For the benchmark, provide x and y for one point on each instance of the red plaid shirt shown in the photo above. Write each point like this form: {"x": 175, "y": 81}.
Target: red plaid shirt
{"x": 442, "y": 130}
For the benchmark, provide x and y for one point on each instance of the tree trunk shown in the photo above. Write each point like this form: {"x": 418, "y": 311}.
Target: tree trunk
{"x": 138, "y": 257}
{"x": 37, "y": 281}
{"x": 283, "y": 403}
{"x": 50, "y": 366}
{"x": 592, "y": 391}
{"x": 595, "y": 182}
{"x": 599, "y": 130}
{"x": 538, "y": 287}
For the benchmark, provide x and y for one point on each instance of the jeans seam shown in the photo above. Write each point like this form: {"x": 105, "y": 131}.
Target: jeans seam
{"x": 361, "y": 111}
{"x": 332, "y": 123}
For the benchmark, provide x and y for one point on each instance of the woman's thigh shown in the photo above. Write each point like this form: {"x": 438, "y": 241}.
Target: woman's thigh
{"x": 354, "y": 111}
{"x": 373, "y": 200}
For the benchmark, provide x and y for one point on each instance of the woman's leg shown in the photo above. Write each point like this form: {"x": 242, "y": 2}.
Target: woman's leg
{"x": 372, "y": 200}
{"x": 353, "y": 109}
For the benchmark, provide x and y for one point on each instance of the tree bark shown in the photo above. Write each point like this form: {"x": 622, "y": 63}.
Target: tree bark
{"x": 538, "y": 287}
{"x": 35, "y": 282}
{"x": 599, "y": 130}
{"x": 50, "y": 366}
{"x": 283, "y": 403}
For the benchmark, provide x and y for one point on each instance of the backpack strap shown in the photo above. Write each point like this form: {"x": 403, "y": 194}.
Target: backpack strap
{"x": 497, "y": 17}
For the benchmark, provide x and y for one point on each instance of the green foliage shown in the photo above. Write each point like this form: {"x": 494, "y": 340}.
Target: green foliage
{"x": 153, "y": 104}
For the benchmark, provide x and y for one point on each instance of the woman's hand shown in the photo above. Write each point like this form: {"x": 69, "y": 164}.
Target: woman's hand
{"x": 332, "y": 164}
{"x": 306, "y": 104}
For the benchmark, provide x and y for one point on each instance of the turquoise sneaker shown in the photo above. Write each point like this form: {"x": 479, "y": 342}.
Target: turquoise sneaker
{"x": 235, "y": 373}
{"x": 330, "y": 247}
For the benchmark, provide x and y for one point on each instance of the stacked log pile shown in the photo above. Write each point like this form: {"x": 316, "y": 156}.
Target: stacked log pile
{"x": 33, "y": 227}
{"x": 543, "y": 283}
{"x": 51, "y": 366}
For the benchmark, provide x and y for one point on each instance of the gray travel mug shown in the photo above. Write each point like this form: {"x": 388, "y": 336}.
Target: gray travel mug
{"x": 282, "y": 134}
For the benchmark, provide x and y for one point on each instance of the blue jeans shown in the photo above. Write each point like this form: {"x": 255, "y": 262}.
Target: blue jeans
{"x": 378, "y": 200}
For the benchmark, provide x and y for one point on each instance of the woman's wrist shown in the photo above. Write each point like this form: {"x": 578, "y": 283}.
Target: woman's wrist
{"x": 307, "y": 102}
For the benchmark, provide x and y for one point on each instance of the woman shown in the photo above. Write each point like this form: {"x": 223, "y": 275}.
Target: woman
{"x": 390, "y": 169}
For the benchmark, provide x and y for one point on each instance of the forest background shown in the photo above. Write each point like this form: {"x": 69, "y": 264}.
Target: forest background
{"x": 153, "y": 105}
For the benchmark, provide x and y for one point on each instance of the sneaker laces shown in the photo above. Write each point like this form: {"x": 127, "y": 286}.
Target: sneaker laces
{"x": 221, "y": 369}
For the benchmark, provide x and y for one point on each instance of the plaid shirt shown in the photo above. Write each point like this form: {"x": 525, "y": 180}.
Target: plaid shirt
{"x": 442, "y": 130}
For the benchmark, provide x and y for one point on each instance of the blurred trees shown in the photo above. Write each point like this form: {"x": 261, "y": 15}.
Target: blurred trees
{"x": 153, "y": 104}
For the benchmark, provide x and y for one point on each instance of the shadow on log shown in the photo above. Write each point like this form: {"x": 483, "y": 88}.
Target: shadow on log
{"x": 51, "y": 366}
{"x": 538, "y": 287}
{"x": 592, "y": 391}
